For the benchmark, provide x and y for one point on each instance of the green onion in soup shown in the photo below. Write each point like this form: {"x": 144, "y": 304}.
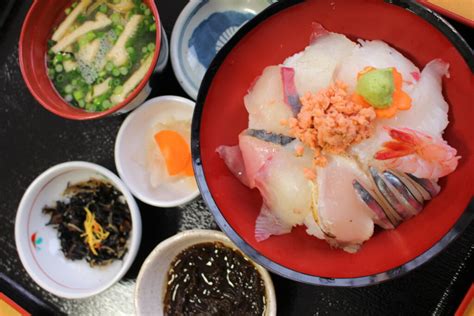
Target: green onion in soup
{"x": 101, "y": 51}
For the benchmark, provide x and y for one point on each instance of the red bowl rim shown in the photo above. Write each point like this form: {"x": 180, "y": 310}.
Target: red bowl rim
{"x": 464, "y": 220}
{"x": 88, "y": 115}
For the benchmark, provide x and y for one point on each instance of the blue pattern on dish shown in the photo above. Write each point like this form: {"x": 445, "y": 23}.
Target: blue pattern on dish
{"x": 212, "y": 33}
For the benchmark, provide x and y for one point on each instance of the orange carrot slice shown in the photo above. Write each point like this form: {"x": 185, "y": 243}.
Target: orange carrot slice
{"x": 365, "y": 70}
{"x": 397, "y": 79}
{"x": 357, "y": 98}
{"x": 189, "y": 169}
{"x": 401, "y": 100}
{"x": 388, "y": 112}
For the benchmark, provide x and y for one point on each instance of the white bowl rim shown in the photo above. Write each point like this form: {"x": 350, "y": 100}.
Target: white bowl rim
{"x": 135, "y": 237}
{"x": 212, "y": 235}
{"x": 118, "y": 162}
{"x": 175, "y": 51}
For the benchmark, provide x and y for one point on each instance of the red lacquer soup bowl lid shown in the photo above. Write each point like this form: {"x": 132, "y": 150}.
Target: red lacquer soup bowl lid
{"x": 37, "y": 28}
{"x": 281, "y": 31}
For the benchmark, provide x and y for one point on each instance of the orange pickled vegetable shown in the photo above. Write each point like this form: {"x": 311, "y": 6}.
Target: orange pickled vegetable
{"x": 175, "y": 151}
{"x": 189, "y": 169}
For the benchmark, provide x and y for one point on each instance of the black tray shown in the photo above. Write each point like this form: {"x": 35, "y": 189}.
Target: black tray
{"x": 32, "y": 140}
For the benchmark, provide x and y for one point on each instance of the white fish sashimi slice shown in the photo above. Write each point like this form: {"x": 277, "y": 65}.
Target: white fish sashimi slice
{"x": 340, "y": 213}
{"x": 315, "y": 66}
{"x": 429, "y": 111}
{"x": 279, "y": 176}
{"x": 268, "y": 224}
{"x": 265, "y": 102}
{"x": 378, "y": 55}
{"x": 285, "y": 189}
{"x": 255, "y": 154}
{"x": 312, "y": 228}
{"x": 233, "y": 159}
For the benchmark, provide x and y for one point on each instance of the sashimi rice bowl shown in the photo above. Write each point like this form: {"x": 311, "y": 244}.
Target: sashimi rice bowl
{"x": 343, "y": 137}
{"x": 334, "y": 147}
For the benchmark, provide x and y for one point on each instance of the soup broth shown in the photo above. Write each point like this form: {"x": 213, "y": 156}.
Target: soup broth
{"x": 101, "y": 51}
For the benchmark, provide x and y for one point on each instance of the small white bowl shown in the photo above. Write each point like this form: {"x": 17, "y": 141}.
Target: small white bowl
{"x": 130, "y": 152}
{"x": 38, "y": 245}
{"x": 151, "y": 282}
{"x": 201, "y": 30}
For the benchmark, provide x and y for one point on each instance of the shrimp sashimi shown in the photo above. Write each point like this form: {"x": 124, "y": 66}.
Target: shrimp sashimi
{"x": 418, "y": 153}
{"x": 429, "y": 113}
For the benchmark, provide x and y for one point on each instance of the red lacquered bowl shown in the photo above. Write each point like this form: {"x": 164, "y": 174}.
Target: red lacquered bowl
{"x": 280, "y": 31}
{"x": 37, "y": 28}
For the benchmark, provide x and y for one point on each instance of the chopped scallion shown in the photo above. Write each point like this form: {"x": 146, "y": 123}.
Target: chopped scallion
{"x": 103, "y": 8}
{"x": 59, "y": 78}
{"x": 106, "y": 104}
{"x": 123, "y": 70}
{"x": 116, "y": 72}
{"x": 78, "y": 95}
{"x": 109, "y": 66}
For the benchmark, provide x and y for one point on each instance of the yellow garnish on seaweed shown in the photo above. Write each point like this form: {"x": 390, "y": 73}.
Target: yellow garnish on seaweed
{"x": 94, "y": 233}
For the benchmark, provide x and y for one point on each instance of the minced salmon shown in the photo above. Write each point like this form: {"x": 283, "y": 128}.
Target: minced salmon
{"x": 330, "y": 122}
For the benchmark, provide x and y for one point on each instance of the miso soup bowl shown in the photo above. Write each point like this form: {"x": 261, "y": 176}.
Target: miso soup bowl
{"x": 37, "y": 29}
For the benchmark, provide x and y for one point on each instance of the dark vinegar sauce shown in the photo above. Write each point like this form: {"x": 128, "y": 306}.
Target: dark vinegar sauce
{"x": 212, "y": 279}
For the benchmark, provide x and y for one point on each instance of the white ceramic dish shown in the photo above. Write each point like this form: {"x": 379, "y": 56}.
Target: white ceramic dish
{"x": 38, "y": 245}
{"x": 130, "y": 152}
{"x": 151, "y": 282}
{"x": 201, "y": 30}
{"x": 164, "y": 52}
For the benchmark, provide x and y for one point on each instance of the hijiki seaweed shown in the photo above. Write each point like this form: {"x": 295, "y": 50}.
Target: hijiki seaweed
{"x": 93, "y": 222}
